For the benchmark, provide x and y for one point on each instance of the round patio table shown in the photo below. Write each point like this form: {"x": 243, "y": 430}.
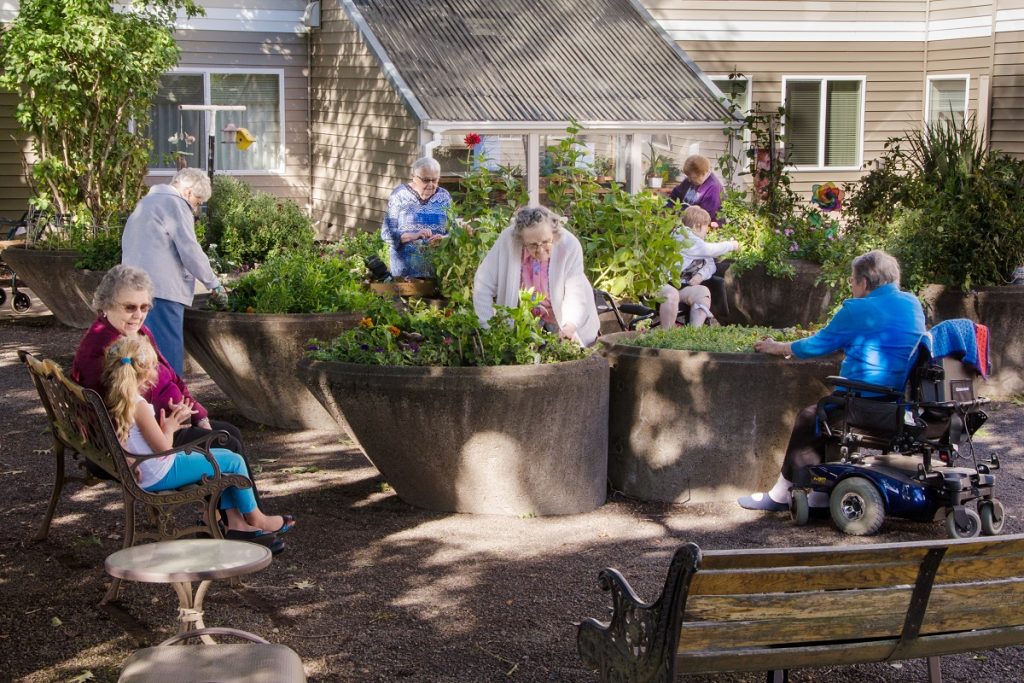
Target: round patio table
{"x": 183, "y": 561}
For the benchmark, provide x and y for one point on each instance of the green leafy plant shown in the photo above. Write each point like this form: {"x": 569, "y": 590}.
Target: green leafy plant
{"x": 85, "y": 73}
{"x": 728, "y": 339}
{"x": 452, "y": 337}
{"x": 247, "y": 226}
{"x": 658, "y": 165}
{"x": 102, "y": 252}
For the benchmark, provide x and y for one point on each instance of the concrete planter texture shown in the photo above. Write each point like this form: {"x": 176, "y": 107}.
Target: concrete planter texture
{"x": 52, "y": 276}
{"x": 1001, "y": 309}
{"x": 757, "y": 298}
{"x": 252, "y": 359}
{"x": 695, "y": 427}
{"x": 512, "y": 440}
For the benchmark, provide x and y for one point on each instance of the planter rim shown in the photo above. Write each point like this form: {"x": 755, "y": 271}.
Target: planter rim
{"x": 44, "y": 250}
{"x": 613, "y": 347}
{"x": 267, "y": 317}
{"x": 340, "y": 367}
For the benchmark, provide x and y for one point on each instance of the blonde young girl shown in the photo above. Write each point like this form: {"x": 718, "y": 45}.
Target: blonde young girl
{"x": 130, "y": 364}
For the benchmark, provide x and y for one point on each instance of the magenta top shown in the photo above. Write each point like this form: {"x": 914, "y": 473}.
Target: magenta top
{"x": 87, "y": 368}
{"x": 534, "y": 274}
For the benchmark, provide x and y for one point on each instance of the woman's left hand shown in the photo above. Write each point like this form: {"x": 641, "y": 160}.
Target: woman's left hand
{"x": 568, "y": 331}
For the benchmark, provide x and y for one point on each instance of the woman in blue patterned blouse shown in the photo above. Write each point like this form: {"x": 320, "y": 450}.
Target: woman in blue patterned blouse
{"x": 417, "y": 220}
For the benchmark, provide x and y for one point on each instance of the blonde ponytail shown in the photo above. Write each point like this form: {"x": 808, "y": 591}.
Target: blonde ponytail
{"x": 126, "y": 365}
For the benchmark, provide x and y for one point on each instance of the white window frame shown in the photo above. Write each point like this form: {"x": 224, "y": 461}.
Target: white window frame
{"x": 204, "y": 148}
{"x": 823, "y": 82}
{"x": 749, "y": 103}
{"x": 966, "y": 78}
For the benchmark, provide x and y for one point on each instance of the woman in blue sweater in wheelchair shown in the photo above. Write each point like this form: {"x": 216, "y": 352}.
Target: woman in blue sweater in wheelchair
{"x": 878, "y": 330}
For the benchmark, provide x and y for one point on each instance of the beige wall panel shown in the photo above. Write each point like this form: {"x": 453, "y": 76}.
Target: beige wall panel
{"x": 255, "y": 4}
{"x": 14, "y": 144}
{"x": 960, "y": 9}
{"x": 783, "y": 10}
{"x": 1007, "y": 123}
{"x": 1010, "y": 4}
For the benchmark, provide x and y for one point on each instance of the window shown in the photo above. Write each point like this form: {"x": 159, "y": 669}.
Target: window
{"x": 824, "y": 121}
{"x": 736, "y": 90}
{"x": 182, "y": 134}
{"x": 946, "y": 100}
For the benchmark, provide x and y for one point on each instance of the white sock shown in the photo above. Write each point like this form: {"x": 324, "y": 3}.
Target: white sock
{"x": 780, "y": 492}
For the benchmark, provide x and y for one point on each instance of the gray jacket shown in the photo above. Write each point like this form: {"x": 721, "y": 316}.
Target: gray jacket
{"x": 160, "y": 238}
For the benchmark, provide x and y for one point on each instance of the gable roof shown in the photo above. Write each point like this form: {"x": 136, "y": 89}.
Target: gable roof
{"x": 602, "y": 61}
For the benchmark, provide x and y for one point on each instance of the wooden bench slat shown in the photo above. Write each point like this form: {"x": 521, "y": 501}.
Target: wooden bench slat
{"x": 975, "y": 568}
{"x": 796, "y": 578}
{"x": 971, "y": 606}
{"x": 853, "y": 603}
{"x": 769, "y": 632}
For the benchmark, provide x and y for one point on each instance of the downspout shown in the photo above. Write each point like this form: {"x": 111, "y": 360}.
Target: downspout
{"x": 309, "y": 118}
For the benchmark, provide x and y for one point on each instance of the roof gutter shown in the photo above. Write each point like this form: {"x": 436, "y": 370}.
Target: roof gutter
{"x": 438, "y": 127}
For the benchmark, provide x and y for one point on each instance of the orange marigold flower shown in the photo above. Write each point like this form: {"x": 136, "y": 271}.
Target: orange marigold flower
{"x": 250, "y": 309}
{"x": 394, "y": 330}
{"x": 366, "y": 322}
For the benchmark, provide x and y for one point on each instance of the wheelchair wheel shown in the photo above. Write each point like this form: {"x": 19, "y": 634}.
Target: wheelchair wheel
{"x": 972, "y": 529}
{"x": 991, "y": 513}
{"x": 799, "y": 510}
{"x": 21, "y": 302}
{"x": 3, "y": 297}
{"x": 856, "y": 507}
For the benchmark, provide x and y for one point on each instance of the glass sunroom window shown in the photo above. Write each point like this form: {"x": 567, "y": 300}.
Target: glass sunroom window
{"x": 823, "y": 122}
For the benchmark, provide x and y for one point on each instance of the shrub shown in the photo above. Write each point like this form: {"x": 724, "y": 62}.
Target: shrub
{"x": 248, "y": 226}
{"x": 453, "y": 337}
{"x": 728, "y": 339}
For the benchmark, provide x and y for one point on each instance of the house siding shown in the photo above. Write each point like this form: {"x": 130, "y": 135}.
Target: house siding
{"x": 364, "y": 139}
{"x": 15, "y": 148}
{"x": 1007, "y": 127}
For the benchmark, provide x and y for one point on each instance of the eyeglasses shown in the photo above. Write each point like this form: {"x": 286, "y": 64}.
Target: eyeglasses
{"x": 135, "y": 308}
{"x": 427, "y": 181}
{"x": 534, "y": 246}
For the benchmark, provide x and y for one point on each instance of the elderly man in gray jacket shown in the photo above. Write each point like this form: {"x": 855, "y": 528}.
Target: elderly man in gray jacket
{"x": 160, "y": 238}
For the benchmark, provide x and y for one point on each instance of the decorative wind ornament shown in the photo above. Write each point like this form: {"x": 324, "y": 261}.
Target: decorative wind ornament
{"x": 828, "y": 196}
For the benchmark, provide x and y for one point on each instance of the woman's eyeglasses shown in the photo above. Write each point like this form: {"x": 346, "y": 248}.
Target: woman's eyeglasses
{"x": 534, "y": 246}
{"x": 428, "y": 181}
{"x": 136, "y": 308}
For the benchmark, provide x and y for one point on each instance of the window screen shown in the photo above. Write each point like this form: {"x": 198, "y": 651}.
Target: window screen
{"x": 176, "y": 132}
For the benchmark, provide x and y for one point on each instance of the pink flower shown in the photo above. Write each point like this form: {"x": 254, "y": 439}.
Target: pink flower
{"x": 793, "y": 246}
{"x": 789, "y": 231}
{"x": 471, "y": 139}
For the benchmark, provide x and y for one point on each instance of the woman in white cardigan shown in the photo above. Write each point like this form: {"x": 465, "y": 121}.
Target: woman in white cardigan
{"x": 535, "y": 251}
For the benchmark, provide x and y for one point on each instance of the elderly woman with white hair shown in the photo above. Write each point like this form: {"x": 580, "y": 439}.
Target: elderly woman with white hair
{"x": 536, "y": 252}
{"x": 160, "y": 238}
{"x": 417, "y": 219}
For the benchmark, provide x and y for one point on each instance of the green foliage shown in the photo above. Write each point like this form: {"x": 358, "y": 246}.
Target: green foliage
{"x": 247, "y": 226}
{"x": 307, "y": 280}
{"x": 102, "y": 252}
{"x": 728, "y": 339}
{"x": 947, "y": 207}
{"x": 453, "y": 337}
{"x": 658, "y": 165}
{"x": 85, "y": 74}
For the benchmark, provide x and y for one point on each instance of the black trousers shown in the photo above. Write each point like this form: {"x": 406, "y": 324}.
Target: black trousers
{"x": 806, "y": 443}
{"x": 183, "y": 436}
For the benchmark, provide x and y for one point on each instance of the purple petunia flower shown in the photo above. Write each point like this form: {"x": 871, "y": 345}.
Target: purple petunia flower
{"x": 312, "y": 347}
{"x": 789, "y": 231}
{"x": 793, "y": 246}
{"x": 364, "y": 347}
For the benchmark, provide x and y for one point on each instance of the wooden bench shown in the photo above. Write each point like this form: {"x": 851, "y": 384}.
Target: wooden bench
{"x": 80, "y": 425}
{"x": 785, "y": 608}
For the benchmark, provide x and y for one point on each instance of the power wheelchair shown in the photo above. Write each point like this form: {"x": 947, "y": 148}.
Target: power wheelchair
{"x": 916, "y": 474}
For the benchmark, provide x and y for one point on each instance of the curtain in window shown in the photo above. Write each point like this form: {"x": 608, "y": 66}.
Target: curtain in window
{"x": 262, "y": 117}
{"x": 172, "y": 131}
{"x": 842, "y": 123}
{"x": 803, "y": 122}
{"x": 946, "y": 101}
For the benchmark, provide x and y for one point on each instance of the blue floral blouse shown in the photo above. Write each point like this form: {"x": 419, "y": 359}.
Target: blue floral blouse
{"x": 408, "y": 213}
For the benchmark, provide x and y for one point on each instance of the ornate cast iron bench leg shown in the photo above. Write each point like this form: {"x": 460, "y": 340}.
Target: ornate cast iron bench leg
{"x": 58, "y": 487}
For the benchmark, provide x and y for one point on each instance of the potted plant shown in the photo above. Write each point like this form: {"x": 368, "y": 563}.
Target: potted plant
{"x": 603, "y": 168}
{"x": 658, "y": 166}
{"x": 250, "y": 348}
{"x": 686, "y": 411}
{"x": 459, "y": 418}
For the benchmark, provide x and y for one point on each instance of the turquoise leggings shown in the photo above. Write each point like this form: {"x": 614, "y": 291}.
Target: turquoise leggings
{"x": 188, "y": 468}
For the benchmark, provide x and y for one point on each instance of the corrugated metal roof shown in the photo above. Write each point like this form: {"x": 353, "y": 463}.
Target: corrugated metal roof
{"x": 538, "y": 60}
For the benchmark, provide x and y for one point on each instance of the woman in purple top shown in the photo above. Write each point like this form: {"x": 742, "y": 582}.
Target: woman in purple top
{"x": 701, "y": 188}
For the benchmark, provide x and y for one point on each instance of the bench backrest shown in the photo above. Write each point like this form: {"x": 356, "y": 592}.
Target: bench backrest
{"x": 801, "y": 606}
{"x": 77, "y": 416}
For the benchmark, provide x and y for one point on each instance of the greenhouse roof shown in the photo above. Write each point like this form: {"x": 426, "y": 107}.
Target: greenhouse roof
{"x": 534, "y": 61}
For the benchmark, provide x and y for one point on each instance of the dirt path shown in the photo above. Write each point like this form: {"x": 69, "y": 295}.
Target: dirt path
{"x": 371, "y": 589}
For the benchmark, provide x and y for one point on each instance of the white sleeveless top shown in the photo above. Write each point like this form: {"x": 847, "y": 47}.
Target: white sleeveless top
{"x": 149, "y": 471}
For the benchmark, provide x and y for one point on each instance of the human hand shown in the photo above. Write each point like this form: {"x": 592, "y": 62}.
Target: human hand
{"x": 695, "y": 280}
{"x": 220, "y": 295}
{"x": 772, "y": 347}
{"x": 205, "y": 423}
{"x": 426, "y": 234}
{"x": 713, "y": 225}
{"x": 169, "y": 421}
{"x": 433, "y": 240}
{"x": 182, "y": 411}
{"x": 735, "y": 245}
{"x": 568, "y": 331}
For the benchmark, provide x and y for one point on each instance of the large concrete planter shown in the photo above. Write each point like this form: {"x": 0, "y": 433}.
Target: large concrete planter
{"x": 757, "y": 298}
{"x": 691, "y": 427}
{"x": 252, "y": 359}
{"x": 515, "y": 440}
{"x": 52, "y": 276}
{"x": 1001, "y": 309}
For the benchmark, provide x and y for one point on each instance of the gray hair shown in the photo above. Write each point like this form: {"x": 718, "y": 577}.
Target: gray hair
{"x": 528, "y": 216}
{"x": 876, "y": 268}
{"x": 119, "y": 278}
{"x": 429, "y": 164}
{"x": 195, "y": 180}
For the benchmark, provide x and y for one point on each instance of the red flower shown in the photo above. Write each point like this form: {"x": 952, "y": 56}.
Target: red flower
{"x": 471, "y": 139}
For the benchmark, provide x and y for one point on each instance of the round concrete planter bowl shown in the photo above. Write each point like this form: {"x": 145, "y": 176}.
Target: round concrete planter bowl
{"x": 52, "y": 276}
{"x": 757, "y": 298}
{"x": 511, "y": 440}
{"x": 694, "y": 427}
{"x": 1001, "y": 309}
{"x": 252, "y": 359}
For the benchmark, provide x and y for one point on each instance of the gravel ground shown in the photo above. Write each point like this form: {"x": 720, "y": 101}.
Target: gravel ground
{"x": 371, "y": 589}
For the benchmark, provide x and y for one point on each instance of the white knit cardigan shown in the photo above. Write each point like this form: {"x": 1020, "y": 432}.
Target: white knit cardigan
{"x": 572, "y": 298}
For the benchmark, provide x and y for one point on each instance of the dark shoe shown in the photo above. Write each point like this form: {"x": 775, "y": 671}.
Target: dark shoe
{"x": 236, "y": 535}
{"x": 277, "y": 547}
{"x": 289, "y": 522}
{"x": 761, "y": 501}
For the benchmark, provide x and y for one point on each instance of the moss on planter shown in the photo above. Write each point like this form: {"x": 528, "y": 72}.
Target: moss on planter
{"x": 728, "y": 339}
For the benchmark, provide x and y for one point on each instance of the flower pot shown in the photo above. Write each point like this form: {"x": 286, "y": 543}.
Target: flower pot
{"x": 695, "y": 427}
{"x": 511, "y": 440}
{"x": 51, "y": 275}
{"x": 251, "y": 357}
{"x": 757, "y": 298}
{"x": 654, "y": 182}
{"x": 1001, "y": 309}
